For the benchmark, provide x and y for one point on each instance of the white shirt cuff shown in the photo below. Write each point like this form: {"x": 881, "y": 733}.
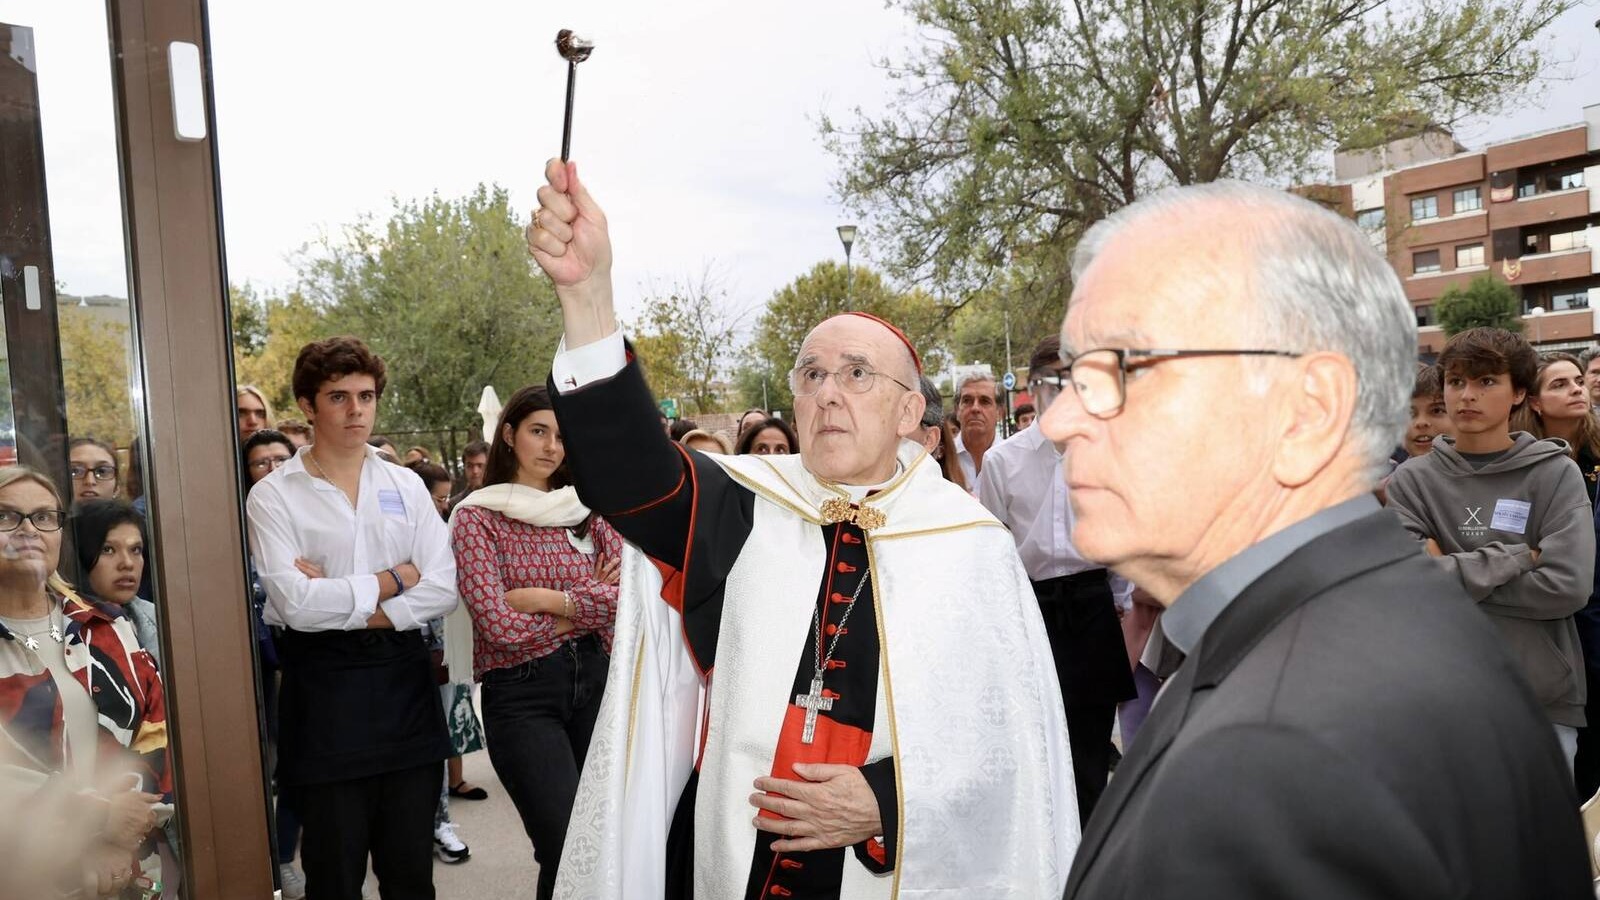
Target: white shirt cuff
{"x": 573, "y": 369}
{"x": 366, "y": 597}
{"x": 399, "y": 613}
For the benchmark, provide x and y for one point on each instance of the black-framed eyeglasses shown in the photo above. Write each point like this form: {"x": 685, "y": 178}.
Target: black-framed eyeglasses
{"x": 42, "y": 519}
{"x": 855, "y": 378}
{"x": 102, "y": 472}
{"x": 1100, "y": 376}
{"x": 270, "y": 462}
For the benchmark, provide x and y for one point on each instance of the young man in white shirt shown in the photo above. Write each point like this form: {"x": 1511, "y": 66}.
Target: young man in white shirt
{"x": 1022, "y": 484}
{"x": 354, "y": 559}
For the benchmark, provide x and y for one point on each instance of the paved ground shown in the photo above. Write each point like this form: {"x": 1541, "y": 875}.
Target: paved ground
{"x": 501, "y": 867}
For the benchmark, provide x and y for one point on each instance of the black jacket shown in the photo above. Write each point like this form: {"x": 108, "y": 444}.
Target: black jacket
{"x": 1351, "y": 726}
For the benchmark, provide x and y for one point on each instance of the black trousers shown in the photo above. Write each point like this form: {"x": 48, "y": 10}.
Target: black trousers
{"x": 537, "y": 721}
{"x": 1089, "y": 730}
{"x": 1586, "y": 766}
{"x": 1080, "y": 619}
{"x": 388, "y": 816}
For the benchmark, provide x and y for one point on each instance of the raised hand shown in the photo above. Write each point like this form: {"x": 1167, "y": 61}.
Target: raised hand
{"x": 569, "y": 240}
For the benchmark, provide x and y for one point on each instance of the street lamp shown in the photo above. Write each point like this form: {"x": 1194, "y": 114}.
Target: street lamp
{"x": 1538, "y": 316}
{"x": 847, "y": 236}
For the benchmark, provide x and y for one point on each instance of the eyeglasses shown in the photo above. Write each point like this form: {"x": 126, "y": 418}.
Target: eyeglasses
{"x": 1052, "y": 382}
{"x": 102, "y": 472}
{"x": 1100, "y": 377}
{"x": 805, "y": 381}
{"x": 270, "y": 462}
{"x": 42, "y": 519}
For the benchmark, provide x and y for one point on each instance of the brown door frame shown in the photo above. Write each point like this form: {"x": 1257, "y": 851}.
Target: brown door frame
{"x": 183, "y": 344}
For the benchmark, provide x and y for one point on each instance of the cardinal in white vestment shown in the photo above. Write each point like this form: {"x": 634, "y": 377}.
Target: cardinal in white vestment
{"x": 830, "y": 677}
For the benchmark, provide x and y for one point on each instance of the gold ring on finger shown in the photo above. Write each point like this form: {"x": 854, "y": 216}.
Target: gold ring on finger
{"x": 536, "y": 223}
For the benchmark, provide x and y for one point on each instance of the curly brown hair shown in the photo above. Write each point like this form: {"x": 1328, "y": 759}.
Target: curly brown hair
{"x": 323, "y": 361}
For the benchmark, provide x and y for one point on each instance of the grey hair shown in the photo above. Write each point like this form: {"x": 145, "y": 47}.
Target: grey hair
{"x": 1587, "y": 357}
{"x": 933, "y": 411}
{"x": 1318, "y": 284}
{"x": 970, "y": 377}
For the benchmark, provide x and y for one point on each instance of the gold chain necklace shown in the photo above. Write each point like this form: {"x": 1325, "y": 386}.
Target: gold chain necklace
{"x": 324, "y": 476}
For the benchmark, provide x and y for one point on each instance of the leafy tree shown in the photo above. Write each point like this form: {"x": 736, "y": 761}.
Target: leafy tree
{"x": 445, "y": 292}
{"x": 268, "y": 333}
{"x": 978, "y": 327}
{"x": 797, "y": 308}
{"x": 94, "y": 357}
{"x": 1018, "y": 123}
{"x": 1486, "y": 302}
{"x": 757, "y": 385}
{"x": 247, "y": 319}
{"x": 686, "y": 339}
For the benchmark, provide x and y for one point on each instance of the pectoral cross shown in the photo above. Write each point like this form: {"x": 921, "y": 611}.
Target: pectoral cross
{"x": 811, "y": 703}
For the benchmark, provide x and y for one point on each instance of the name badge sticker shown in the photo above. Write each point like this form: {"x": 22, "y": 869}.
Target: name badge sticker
{"x": 391, "y": 503}
{"x": 1511, "y": 516}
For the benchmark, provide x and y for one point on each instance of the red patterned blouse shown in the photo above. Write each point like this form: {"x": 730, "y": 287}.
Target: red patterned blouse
{"x": 496, "y": 554}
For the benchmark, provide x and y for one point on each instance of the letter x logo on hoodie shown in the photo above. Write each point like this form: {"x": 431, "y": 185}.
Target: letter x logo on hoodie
{"x": 1472, "y": 517}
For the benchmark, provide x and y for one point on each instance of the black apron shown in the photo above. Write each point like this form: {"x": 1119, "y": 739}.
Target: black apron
{"x": 355, "y": 704}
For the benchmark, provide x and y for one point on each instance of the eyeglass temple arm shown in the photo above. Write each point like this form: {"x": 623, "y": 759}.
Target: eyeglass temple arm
{"x": 1172, "y": 354}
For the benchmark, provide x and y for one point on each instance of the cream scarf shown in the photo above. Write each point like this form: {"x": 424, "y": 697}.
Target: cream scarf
{"x": 546, "y": 509}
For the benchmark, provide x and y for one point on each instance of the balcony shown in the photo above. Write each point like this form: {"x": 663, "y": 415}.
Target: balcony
{"x": 1568, "y": 325}
{"x": 1446, "y": 230}
{"x": 1540, "y": 209}
{"x": 1430, "y": 285}
{"x": 1541, "y": 267}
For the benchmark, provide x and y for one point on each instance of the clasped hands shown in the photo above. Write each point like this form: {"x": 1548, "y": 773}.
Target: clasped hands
{"x": 833, "y": 806}
{"x": 129, "y": 818}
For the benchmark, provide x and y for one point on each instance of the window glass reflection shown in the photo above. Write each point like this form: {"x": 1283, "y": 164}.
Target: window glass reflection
{"x": 80, "y": 634}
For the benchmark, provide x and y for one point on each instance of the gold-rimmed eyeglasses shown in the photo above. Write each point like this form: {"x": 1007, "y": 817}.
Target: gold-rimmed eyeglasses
{"x": 1100, "y": 377}
{"x": 855, "y": 378}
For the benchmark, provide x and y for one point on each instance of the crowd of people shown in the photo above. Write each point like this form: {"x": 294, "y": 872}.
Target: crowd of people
{"x": 869, "y": 646}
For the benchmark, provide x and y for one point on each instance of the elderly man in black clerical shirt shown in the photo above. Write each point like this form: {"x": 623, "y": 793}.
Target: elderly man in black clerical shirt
{"x": 1346, "y": 724}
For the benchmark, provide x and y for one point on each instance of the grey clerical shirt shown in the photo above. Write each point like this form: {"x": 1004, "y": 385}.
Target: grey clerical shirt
{"x": 1189, "y": 616}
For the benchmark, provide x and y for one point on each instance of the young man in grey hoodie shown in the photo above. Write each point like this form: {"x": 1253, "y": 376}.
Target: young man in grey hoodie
{"x": 1508, "y": 514}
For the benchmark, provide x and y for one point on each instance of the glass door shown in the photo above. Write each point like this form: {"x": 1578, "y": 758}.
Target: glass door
{"x": 114, "y": 402}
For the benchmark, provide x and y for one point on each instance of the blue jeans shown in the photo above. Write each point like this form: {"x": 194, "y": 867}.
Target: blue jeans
{"x": 537, "y": 720}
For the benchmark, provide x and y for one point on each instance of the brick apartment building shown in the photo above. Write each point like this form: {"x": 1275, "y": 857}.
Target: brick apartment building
{"x": 1526, "y": 211}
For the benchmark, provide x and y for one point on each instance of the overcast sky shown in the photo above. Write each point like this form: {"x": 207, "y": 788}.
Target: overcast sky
{"x": 696, "y": 123}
